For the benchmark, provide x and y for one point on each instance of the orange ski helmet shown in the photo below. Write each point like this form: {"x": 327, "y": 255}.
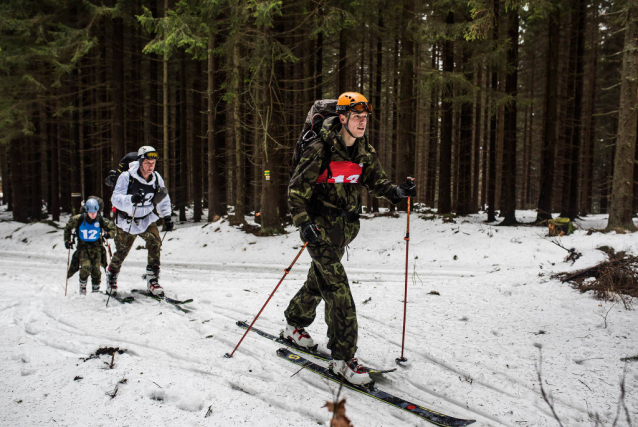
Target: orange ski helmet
{"x": 353, "y": 101}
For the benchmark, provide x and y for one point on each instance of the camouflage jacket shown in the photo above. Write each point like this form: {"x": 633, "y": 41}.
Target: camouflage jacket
{"x": 343, "y": 189}
{"x": 75, "y": 222}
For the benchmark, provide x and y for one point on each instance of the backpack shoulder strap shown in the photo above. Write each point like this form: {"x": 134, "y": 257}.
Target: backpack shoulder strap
{"x": 80, "y": 222}
{"x": 328, "y": 149}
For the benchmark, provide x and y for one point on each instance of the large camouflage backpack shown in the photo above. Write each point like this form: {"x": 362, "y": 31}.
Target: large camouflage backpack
{"x": 320, "y": 111}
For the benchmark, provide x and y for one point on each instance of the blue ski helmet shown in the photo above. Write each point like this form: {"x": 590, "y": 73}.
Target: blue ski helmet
{"x": 91, "y": 206}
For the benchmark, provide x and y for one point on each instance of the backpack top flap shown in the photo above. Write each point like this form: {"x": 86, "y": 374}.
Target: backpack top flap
{"x": 320, "y": 110}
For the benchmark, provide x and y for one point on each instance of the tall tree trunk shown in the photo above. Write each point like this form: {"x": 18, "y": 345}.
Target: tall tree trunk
{"x": 430, "y": 184}
{"x": 445, "y": 158}
{"x": 214, "y": 181}
{"x": 575, "y": 89}
{"x": 319, "y": 67}
{"x": 181, "y": 175}
{"x": 620, "y": 214}
{"x": 196, "y": 153}
{"x": 509, "y": 142}
{"x": 406, "y": 150}
{"x": 477, "y": 140}
{"x": 590, "y": 130}
{"x": 165, "y": 135}
{"x": 376, "y": 121}
{"x": 549, "y": 137}
{"x": 20, "y": 210}
{"x": 342, "y": 72}
{"x": 240, "y": 158}
{"x": 117, "y": 92}
{"x": 491, "y": 186}
{"x": 6, "y": 178}
{"x": 54, "y": 138}
{"x": 573, "y": 207}
{"x": 465, "y": 145}
{"x": 270, "y": 217}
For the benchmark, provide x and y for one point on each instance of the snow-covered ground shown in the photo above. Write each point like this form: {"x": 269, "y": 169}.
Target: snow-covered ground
{"x": 473, "y": 350}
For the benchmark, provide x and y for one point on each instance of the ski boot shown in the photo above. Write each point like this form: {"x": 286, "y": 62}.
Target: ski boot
{"x": 82, "y": 287}
{"x": 95, "y": 287}
{"x": 111, "y": 281}
{"x": 152, "y": 277}
{"x": 351, "y": 371}
{"x": 299, "y": 336}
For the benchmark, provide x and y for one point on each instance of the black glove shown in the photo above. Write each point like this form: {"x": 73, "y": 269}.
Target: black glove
{"x": 137, "y": 198}
{"x": 168, "y": 223}
{"x": 68, "y": 245}
{"x": 407, "y": 189}
{"x": 106, "y": 236}
{"x": 310, "y": 231}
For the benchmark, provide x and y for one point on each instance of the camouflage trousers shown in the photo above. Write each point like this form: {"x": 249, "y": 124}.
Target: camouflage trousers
{"x": 124, "y": 243}
{"x": 88, "y": 259}
{"x": 327, "y": 281}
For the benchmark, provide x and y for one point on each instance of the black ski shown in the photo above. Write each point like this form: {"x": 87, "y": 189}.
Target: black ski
{"x": 427, "y": 414}
{"x": 309, "y": 351}
{"x": 162, "y": 298}
{"x": 124, "y": 300}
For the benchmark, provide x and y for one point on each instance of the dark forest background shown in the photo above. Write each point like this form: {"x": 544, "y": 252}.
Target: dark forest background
{"x": 491, "y": 105}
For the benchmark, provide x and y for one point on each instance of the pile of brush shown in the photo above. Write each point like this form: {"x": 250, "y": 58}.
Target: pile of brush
{"x": 611, "y": 280}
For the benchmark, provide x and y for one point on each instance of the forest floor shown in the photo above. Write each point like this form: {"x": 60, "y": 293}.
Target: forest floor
{"x": 473, "y": 349}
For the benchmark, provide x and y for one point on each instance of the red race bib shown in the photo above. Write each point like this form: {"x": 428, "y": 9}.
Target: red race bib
{"x": 342, "y": 173}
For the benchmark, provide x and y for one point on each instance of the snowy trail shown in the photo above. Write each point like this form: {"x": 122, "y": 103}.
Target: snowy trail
{"x": 471, "y": 349}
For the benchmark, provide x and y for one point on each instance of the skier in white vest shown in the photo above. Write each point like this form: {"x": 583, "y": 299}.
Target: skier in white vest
{"x": 140, "y": 200}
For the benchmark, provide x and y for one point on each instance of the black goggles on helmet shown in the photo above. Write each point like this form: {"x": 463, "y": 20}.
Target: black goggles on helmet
{"x": 357, "y": 108}
{"x": 361, "y": 107}
{"x": 151, "y": 155}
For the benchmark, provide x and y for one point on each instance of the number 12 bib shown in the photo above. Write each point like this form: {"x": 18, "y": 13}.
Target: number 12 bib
{"x": 89, "y": 232}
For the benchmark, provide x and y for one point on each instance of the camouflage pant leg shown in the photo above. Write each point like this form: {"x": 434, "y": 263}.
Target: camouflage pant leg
{"x": 123, "y": 243}
{"x": 303, "y": 307}
{"x": 327, "y": 280}
{"x": 153, "y": 244}
{"x": 90, "y": 263}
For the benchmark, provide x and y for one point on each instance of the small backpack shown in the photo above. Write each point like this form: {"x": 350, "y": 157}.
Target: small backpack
{"x": 320, "y": 111}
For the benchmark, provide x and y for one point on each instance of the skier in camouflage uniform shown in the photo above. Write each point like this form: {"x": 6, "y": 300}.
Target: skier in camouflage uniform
{"x": 324, "y": 199}
{"x": 90, "y": 228}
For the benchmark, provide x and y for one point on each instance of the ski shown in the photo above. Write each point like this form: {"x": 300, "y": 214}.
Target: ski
{"x": 162, "y": 298}
{"x": 309, "y": 351}
{"x": 427, "y": 414}
{"x": 123, "y": 300}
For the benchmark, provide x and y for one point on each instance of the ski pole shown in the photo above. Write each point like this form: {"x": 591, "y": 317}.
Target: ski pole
{"x": 132, "y": 219}
{"x": 405, "y": 299}
{"x": 68, "y": 260}
{"x": 286, "y": 271}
